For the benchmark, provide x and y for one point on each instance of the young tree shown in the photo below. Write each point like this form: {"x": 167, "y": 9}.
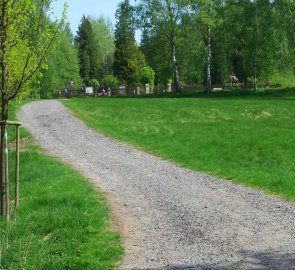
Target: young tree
{"x": 25, "y": 40}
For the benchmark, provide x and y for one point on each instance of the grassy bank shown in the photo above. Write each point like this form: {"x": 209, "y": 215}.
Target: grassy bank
{"x": 62, "y": 223}
{"x": 247, "y": 139}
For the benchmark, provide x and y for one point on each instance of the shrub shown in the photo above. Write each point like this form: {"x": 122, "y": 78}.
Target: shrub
{"x": 147, "y": 75}
{"x": 112, "y": 82}
{"x": 94, "y": 83}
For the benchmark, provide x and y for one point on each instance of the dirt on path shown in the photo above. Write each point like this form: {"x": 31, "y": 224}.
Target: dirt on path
{"x": 170, "y": 217}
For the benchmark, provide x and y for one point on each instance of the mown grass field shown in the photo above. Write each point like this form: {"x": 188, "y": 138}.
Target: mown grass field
{"x": 62, "y": 223}
{"x": 248, "y": 139}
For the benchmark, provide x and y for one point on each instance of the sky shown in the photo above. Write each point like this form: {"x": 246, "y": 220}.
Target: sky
{"x": 95, "y": 8}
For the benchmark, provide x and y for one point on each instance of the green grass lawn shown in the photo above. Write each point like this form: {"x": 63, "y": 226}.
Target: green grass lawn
{"x": 62, "y": 223}
{"x": 246, "y": 139}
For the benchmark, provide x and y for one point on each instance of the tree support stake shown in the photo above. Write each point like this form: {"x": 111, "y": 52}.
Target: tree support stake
{"x": 4, "y": 167}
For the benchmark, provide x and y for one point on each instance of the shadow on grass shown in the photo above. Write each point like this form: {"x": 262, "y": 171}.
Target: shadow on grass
{"x": 230, "y": 93}
{"x": 252, "y": 261}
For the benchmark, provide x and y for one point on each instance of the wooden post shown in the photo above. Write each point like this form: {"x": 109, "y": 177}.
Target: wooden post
{"x": 5, "y": 180}
{"x": 5, "y": 172}
{"x": 17, "y": 169}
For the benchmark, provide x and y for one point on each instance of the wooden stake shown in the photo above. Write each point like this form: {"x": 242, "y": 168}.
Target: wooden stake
{"x": 4, "y": 192}
{"x": 17, "y": 169}
{"x": 6, "y": 176}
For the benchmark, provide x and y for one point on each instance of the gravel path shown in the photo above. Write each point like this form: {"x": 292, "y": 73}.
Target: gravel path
{"x": 170, "y": 218}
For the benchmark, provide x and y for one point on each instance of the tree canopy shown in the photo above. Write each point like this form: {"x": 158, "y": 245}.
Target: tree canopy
{"x": 27, "y": 34}
{"x": 62, "y": 65}
{"x": 87, "y": 51}
{"x": 212, "y": 40}
{"x": 128, "y": 58}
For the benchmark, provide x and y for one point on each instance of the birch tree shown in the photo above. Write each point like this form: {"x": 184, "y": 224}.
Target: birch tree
{"x": 204, "y": 17}
{"x": 164, "y": 16}
{"x": 104, "y": 39}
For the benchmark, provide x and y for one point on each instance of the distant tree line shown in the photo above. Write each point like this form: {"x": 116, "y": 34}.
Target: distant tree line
{"x": 183, "y": 42}
{"x": 206, "y": 41}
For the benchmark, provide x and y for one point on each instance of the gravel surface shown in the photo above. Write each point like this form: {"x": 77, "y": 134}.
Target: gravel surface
{"x": 170, "y": 217}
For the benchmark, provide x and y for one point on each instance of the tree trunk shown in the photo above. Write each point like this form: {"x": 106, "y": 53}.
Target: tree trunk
{"x": 174, "y": 64}
{"x": 208, "y": 68}
{"x": 4, "y": 161}
{"x": 255, "y": 50}
{"x": 4, "y": 192}
{"x": 255, "y": 75}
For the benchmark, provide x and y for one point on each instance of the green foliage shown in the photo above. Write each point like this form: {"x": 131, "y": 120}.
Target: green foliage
{"x": 191, "y": 53}
{"x": 26, "y": 37}
{"x": 251, "y": 39}
{"x": 62, "y": 65}
{"x": 128, "y": 59}
{"x": 147, "y": 75}
{"x": 244, "y": 139}
{"x": 157, "y": 53}
{"x": 94, "y": 83}
{"x": 103, "y": 35}
{"x": 163, "y": 18}
{"x": 112, "y": 82}
{"x": 260, "y": 41}
{"x": 286, "y": 79}
{"x": 87, "y": 51}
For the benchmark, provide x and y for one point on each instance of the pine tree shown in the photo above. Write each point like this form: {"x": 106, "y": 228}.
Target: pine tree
{"x": 128, "y": 59}
{"x": 87, "y": 50}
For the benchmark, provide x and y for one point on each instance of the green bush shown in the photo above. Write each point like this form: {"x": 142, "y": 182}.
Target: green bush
{"x": 147, "y": 75}
{"x": 112, "y": 82}
{"x": 94, "y": 83}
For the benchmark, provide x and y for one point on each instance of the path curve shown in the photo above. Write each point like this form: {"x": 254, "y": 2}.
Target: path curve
{"x": 170, "y": 217}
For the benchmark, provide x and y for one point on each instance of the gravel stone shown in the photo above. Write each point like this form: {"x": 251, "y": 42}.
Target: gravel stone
{"x": 170, "y": 217}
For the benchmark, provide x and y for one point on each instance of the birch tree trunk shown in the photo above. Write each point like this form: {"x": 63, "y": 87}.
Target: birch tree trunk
{"x": 174, "y": 64}
{"x": 208, "y": 69}
{"x": 255, "y": 72}
{"x": 255, "y": 50}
